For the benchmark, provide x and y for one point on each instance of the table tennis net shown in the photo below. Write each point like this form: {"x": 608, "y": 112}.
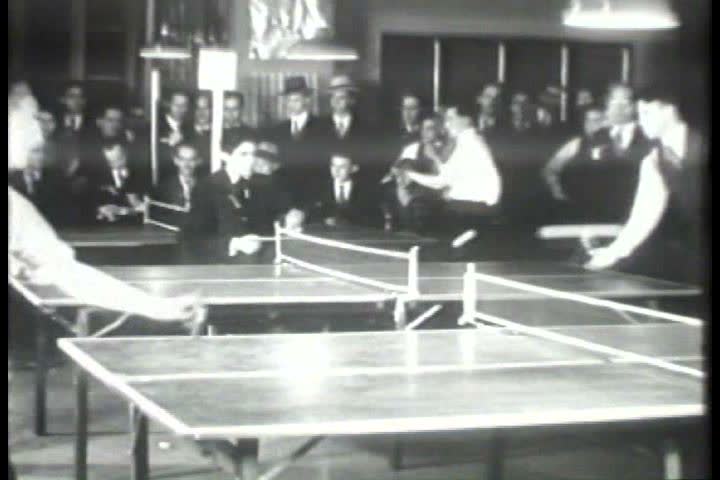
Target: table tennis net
{"x": 391, "y": 270}
{"x": 611, "y": 329}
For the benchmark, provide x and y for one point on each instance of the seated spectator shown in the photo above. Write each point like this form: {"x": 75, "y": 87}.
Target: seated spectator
{"x": 43, "y": 185}
{"x": 469, "y": 180}
{"x": 231, "y": 207}
{"x": 74, "y": 124}
{"x": 235, "y": 131}
{"x": 522, "y": 113}
{"x": 173, "y": 128}
{"x": 177, "y": 190}
{"x": 48, "y": 125}
{"x": 489, "y": 102}
{"x": 117, "y": 188}
{"x": 202, "y": 131}
{"x": 110, "y": 129}
{"x": 410, "y": 111}
{"x": 344, "y": 199}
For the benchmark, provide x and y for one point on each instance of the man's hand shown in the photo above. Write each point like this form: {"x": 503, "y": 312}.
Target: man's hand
{"x": 294, "y": 220}
{"x": 248, "y": 244}
{"x": 188, "y": 310}
{"x": 331, "y": 222}
{"x": 602, "y": 258}
{"x": 558, "y": 193}
{"x": 110, "y": 212}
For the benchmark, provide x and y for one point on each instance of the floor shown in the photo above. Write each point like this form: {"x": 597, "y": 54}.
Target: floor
{"x": 432, "y": 456}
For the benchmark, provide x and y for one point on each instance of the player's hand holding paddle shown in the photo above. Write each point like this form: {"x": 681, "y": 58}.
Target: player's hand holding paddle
{"x": 602, "y": 258}
{"x": 248, "y": 244}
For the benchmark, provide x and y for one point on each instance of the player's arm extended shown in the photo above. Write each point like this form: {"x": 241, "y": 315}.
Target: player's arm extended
{"x": 35, "y": 252}
{"x": 561, "y": 159}
{"x": 650, "y": 202}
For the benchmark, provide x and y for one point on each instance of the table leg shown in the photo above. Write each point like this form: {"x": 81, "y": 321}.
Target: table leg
{"x": 496, "y": 457}
{"x": 396, "y": 461}
{"x": 672, "y": 460}
{"x": 81, "y": 424}
{"x": 140, "y": 450}
{"x": 41, "y": 367}
{"x": 81, "y": 405}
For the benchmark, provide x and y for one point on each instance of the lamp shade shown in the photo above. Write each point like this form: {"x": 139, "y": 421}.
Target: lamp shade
{"x": 321, "y": 50}
{"x": 620, "y": 15}
{"x": 163, "y": 52}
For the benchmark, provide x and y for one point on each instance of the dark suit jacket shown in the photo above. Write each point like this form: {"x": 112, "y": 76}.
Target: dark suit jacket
{"x": 171, "y": 191}
{"x": 63, "y": 132}
{"x": 166, "y": 167}
{"x": 232, "y": 137}
{"x": 304, "y": 159}
{"x": 361, "y": 209}
{"x": 220, "y": 212}
{"x": 104, "y": 192}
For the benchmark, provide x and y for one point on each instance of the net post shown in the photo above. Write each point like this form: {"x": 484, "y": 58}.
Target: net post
{"x": 469, "y": 295}
{"x": 414, "y": 272}
{"x": 146, "y": 209}
{"x": 278, "y": 246}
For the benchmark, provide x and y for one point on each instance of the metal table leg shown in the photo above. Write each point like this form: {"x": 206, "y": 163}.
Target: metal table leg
{"x": 41, "y": 368}
{"x": 496, "y": 457}
{"x": 139, "y": 450}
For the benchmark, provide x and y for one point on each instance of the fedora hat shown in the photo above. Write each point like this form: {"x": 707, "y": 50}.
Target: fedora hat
{"x": 295, "y": 85}
{"x": 342, "y": 82}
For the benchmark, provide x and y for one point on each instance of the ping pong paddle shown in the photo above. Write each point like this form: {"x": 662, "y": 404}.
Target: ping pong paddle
{"x": 464, "y": 238}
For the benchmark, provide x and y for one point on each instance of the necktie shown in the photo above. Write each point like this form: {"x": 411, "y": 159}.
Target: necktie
{"x": 295, "y": 130}
{"x": 617, "y": 140}
{"x": 119, "y": 175}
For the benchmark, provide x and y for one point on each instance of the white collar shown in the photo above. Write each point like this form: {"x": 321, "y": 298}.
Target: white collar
{"x": 235, "y": 177}
{"x": 346, "y": 117}
{"x": 625, "y": 128}
{"x": 343, "y": 183}
{"x": 300, "y": 119}
{"x": 676, "y": 139}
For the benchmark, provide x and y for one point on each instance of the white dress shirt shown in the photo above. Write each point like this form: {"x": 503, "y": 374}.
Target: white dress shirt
{"x": 470, "y": 171}
{"x": 343, "y": 190}
{"x": 119, "y": 176}
{"x": 342, "y": 124}
{"x": 298, "y": 122}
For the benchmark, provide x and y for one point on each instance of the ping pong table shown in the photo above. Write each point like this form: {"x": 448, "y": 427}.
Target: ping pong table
{"x": 397, "y": 288}
{"x": 394, "y": 382}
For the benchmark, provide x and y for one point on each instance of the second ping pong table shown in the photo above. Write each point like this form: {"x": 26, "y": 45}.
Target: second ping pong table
{"x": 406, "y": 382}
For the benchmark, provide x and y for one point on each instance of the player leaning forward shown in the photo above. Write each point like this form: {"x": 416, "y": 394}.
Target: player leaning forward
{"x": 36, "y": 253}
{"x": 662, "y": 236}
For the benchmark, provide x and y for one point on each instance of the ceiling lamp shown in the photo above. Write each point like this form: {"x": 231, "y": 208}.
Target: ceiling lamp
{"x": 164, "y": 52}
{"x": 321, "y": 50}
{"x": 620, "y": 15}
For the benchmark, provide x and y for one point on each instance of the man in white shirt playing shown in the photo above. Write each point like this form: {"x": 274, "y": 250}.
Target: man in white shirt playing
{"x": 469, "y": 180}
